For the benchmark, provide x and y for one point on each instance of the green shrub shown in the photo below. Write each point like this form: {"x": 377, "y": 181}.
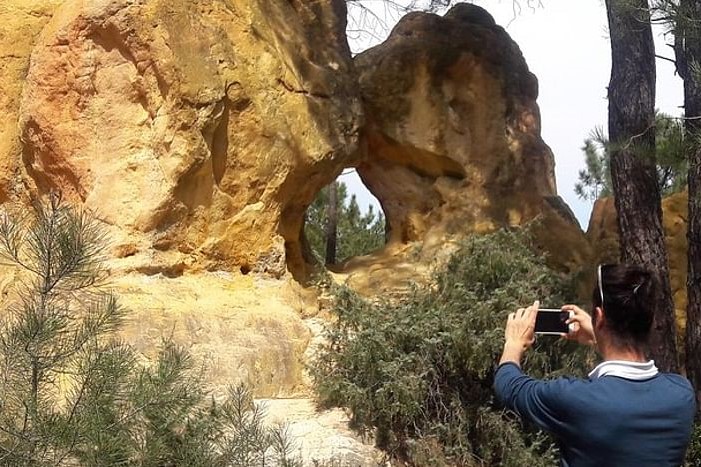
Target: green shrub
{"x": 693, "y": 454}
{"x": 73, "y": 394}
{"x": 418, "y": 372}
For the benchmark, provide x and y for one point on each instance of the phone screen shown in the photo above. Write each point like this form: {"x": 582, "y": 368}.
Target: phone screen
{"x": 551, "y": 321}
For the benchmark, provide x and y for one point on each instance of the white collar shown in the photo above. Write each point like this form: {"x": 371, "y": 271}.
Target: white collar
{"x": 635, "y": 371}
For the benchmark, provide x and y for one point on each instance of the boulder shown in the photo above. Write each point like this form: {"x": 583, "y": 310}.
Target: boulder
{"x": 452, "y": 143}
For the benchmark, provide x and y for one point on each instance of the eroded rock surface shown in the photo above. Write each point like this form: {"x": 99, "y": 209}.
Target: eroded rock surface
{"x": 321, "y": 438}
{"x": 21, "y": 21}
{"x": 453, "y": 141}
{"x": 199, "y": 132}
{"x": 201, "y": 127}
{"x": 241, "y": 329}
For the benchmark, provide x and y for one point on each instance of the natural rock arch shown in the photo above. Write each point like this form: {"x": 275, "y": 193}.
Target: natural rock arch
{"x": 452, "y": 140}
{"x": 200, "y": 132}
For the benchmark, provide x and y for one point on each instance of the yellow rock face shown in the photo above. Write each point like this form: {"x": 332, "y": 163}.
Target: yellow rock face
{"x": 603, "y": 235}
{"x": 453, "y": 145}
{"x": 201, "y": 127}
{"x": 198, "y": 132}
{"x": 240, "y": 329}
{"x": 20, "y": 24}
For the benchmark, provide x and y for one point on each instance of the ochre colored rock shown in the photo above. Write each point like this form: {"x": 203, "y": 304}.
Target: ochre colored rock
{"x": 603, "y": 235}
{"x": 452, "y": 144}
{"x": 241, "y": 329}
{"x": 198, "y": 132}
{"x": 21, "y": 22}
{"x": 203, "y": 128}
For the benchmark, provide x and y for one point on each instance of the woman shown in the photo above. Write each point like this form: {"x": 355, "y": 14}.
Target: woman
{"x": 626, "y": 413}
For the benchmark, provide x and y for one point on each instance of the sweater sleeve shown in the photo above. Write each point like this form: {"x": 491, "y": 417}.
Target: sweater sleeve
{"x": 541, "y": 402}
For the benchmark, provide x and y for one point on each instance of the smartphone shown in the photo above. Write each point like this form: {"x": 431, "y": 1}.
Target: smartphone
{"x": 552, "y": 321}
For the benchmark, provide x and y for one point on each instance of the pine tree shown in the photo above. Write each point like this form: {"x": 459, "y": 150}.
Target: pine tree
{"x": 683, "y": 17}
{"x": 671, "y": 156}
{"x": 356, "y": 233}
{"x": 636, "y": 189}
{"x": 55, "y": 344}
{"x": 72, "y": 394}
{"x": 595, "y": 180}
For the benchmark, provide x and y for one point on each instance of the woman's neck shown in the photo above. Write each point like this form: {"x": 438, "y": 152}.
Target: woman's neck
{"x": 609, "y": 351}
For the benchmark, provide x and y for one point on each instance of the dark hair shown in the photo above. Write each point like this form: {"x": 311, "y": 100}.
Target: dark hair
{"x": 629, "y": 293}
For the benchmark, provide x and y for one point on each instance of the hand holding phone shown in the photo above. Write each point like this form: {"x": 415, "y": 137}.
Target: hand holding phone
{"x": 581, "y": 324}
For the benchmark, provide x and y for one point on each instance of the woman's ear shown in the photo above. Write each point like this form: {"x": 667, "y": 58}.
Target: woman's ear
{"x": 599, "y": 318}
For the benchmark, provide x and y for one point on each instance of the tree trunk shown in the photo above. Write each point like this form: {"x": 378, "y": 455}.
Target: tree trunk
{"x": 331, "y": 223}
{"x": 693, "y": 281}
{"x": 631, "y": 96}
{"x": 687, "y": 48}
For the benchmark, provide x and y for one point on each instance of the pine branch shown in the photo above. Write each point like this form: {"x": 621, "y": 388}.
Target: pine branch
{"x": 667, "y": 59}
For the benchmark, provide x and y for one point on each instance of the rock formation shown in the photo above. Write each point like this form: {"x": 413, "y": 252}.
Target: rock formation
{"x": 603, "y": 235}
{"x": 203, "y": 128}
{"x": 452, "y": 144}
{"x": 200, "y": 131}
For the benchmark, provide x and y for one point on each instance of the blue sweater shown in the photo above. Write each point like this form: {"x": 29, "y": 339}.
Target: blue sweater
{"x": 606, "y": 421}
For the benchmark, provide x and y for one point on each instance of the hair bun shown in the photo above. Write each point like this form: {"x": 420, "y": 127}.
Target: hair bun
{"x": 629, "y": 298}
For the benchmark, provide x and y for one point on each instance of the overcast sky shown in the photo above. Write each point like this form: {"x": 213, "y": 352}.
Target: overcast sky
{"x": 566, "y": 45}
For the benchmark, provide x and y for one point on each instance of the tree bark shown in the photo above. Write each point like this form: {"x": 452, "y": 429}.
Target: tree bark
{"x": 687, "y": 48}
{"x": 331, "y": 223}
{"x": 631, "y": 96}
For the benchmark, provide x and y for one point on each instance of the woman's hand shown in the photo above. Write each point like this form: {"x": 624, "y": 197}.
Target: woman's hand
{"x": 519, "y": 334}
{"x": 583, "y": 331}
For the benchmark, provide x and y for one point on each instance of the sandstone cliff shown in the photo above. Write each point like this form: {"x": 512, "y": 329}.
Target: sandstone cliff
{"x": 200, "y": 128}
{"x": 200, "y": 131}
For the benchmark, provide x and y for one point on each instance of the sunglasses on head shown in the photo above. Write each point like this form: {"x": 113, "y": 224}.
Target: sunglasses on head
{"x": 600, "y": 284}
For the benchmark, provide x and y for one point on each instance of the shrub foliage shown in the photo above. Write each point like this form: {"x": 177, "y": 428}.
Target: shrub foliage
{"x": 693, "y": 454}
{"x": 418, "y": 371}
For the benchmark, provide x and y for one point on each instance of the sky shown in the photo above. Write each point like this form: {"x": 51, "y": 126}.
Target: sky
{"x": 566, "y": 45}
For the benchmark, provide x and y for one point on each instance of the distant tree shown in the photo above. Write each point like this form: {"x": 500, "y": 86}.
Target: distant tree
{"x": 671, "y": 153}
{"x": 631, "y": 96}
{"x": 360, "y": 233}
{"x": 356, "y": 233}
{"x": 594, "y": 181}
{"x": 331, "y": 228}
